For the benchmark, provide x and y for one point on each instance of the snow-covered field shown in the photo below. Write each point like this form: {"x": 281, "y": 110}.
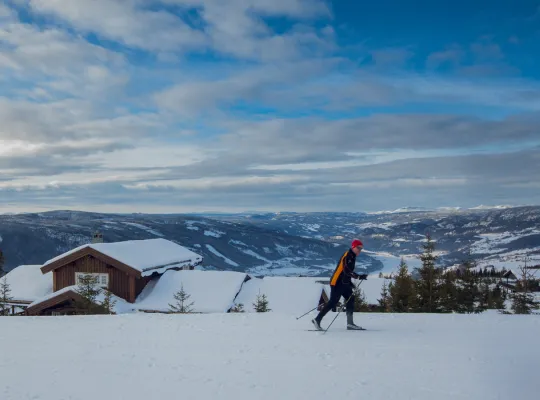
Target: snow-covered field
{"x": 269, "y": 356}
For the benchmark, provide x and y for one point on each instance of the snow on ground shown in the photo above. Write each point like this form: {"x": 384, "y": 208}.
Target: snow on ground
{"x": 489, "y": 242}
{"x": 285, "y": 295}
{"x": 286, "y": 267}
{"x": 391, "y": 262}
{"x": 214, "y": 233}
{"x": 509, "y": 263}
{"x": 379, "y": 225}
{"x": 311, "y": 227}
{"x": 210, "y": 291}
{"x": 255, "y": 255}
{"x": 28, "y": 283}
{"x": 145, "y": 228}
{"x": 217, "y": 253}
{"x": 269, "y": 356}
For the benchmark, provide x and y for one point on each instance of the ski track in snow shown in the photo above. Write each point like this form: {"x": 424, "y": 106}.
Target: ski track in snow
{"x": 269, "y": 356}
{"x": 214, "y": 233}
{"x": 145, "y": 228}
{"x": 217, "y": 253}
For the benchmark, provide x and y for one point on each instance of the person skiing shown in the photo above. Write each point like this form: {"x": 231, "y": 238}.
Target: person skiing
{"x": 341, "y": 285}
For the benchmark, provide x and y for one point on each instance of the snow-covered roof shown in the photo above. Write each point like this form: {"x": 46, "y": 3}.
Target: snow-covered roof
{"x": 120, "y": 307}
{"x": 72, "y": 288}
{"x": 147, "y": 256}
{"x": 28, "y": 283}
{"x": 210, "y": 291}
{"x": 290, "y": 295}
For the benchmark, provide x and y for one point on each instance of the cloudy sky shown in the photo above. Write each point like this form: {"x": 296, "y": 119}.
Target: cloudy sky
{"x": 300, "y": 105}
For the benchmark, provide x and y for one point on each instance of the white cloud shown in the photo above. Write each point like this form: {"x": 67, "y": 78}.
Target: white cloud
{"x": 50, "y": 51}
{"x": 273, "y": 124}
{"x": 126, "y": 22}
{"x": 240, "y": 33}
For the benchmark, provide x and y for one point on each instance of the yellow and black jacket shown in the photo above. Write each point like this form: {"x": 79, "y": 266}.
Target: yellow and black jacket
{"x": 344, "y": 271}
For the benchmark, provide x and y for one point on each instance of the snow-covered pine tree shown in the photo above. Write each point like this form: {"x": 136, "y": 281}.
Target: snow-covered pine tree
{"x": 261, "y": 303}
{"x": 182, "y": 306}
{"x": 449, "y": 292}
{"x": 384, "y": 300}
{"x": 108, "y": 302}
{"x": 89, "y": 291}
{"x": 5, "y": 296}
{"x": 2, "y": 263}
{"x": 402, "y": 297}
{"x": 428, "y": 284}
{"x": 469, "y": 291}
{"x": 523, "y": 300}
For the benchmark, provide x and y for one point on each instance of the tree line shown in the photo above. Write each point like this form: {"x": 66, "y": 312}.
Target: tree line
{"x": 464, "y": 290}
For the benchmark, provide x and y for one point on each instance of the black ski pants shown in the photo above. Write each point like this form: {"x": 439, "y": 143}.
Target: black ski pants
{"x": 336, "y": 292}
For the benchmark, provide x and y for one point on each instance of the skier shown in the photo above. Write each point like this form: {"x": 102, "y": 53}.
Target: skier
{"x": 341, "y": 285}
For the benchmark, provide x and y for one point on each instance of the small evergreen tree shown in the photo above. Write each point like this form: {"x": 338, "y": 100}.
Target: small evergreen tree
{"x": 384, "y": 301}
{"x": 428, "y": 286}
{"x": 182, "y": 305}
{"x": 5, "y": 298}
{"x": 523, "y": 300}
{"x": 469, "y": 293}
{"x": 360, "y": 302}
{"x": 486, "y": 300}
{"x": 89, "y": 290}
{"x": 2, "y": 263}
{"x": 449, "y": 292}
{"x": 108, "y": 302}
{"x": 261, "y": 303}
{"x": 238, "y": 308}
{"x": 402, "y": 297}
{"x": 499, "y": 297}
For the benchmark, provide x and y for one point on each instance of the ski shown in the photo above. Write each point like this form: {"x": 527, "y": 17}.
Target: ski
{"x": 324, "y": 330}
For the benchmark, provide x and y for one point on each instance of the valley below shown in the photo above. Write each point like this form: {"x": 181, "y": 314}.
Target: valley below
{"x": 291, "y": 244}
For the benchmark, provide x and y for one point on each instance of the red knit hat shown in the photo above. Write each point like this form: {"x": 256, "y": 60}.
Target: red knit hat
{"x": 355, "y": 243}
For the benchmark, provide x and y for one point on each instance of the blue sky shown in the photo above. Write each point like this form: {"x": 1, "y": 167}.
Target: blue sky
{"x": 304, "y": 105}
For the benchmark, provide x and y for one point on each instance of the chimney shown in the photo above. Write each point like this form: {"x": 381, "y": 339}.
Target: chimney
{"x": 97, "y": 237}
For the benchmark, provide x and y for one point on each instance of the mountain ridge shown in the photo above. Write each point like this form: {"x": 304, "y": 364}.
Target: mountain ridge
{"x": 290, "y": 243}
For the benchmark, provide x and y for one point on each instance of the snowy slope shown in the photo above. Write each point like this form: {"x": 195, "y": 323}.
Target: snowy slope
{"x": 287, "y": 295}
{"x": 210, "y": 291}
{"x": 269, "y": 357}
{"x": 28, "y": 283}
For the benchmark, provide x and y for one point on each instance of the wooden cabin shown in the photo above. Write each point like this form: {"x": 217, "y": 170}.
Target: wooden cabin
{"x": 123, "y": 268}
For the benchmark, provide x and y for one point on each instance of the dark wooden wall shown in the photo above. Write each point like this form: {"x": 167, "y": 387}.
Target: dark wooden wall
{"x": 119, "y": 281}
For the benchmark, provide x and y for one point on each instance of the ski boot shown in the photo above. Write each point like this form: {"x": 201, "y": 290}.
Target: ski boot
{"x": 317, "y": 324}
{"x": 351, "y": 326}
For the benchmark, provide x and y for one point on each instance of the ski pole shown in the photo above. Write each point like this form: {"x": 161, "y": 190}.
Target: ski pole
{"x": 342, "y": 307}
{"x": 307, "y": 312}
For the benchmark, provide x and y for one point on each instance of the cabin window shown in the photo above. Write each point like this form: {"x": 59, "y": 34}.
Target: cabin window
{"x": 102, "y": 279}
